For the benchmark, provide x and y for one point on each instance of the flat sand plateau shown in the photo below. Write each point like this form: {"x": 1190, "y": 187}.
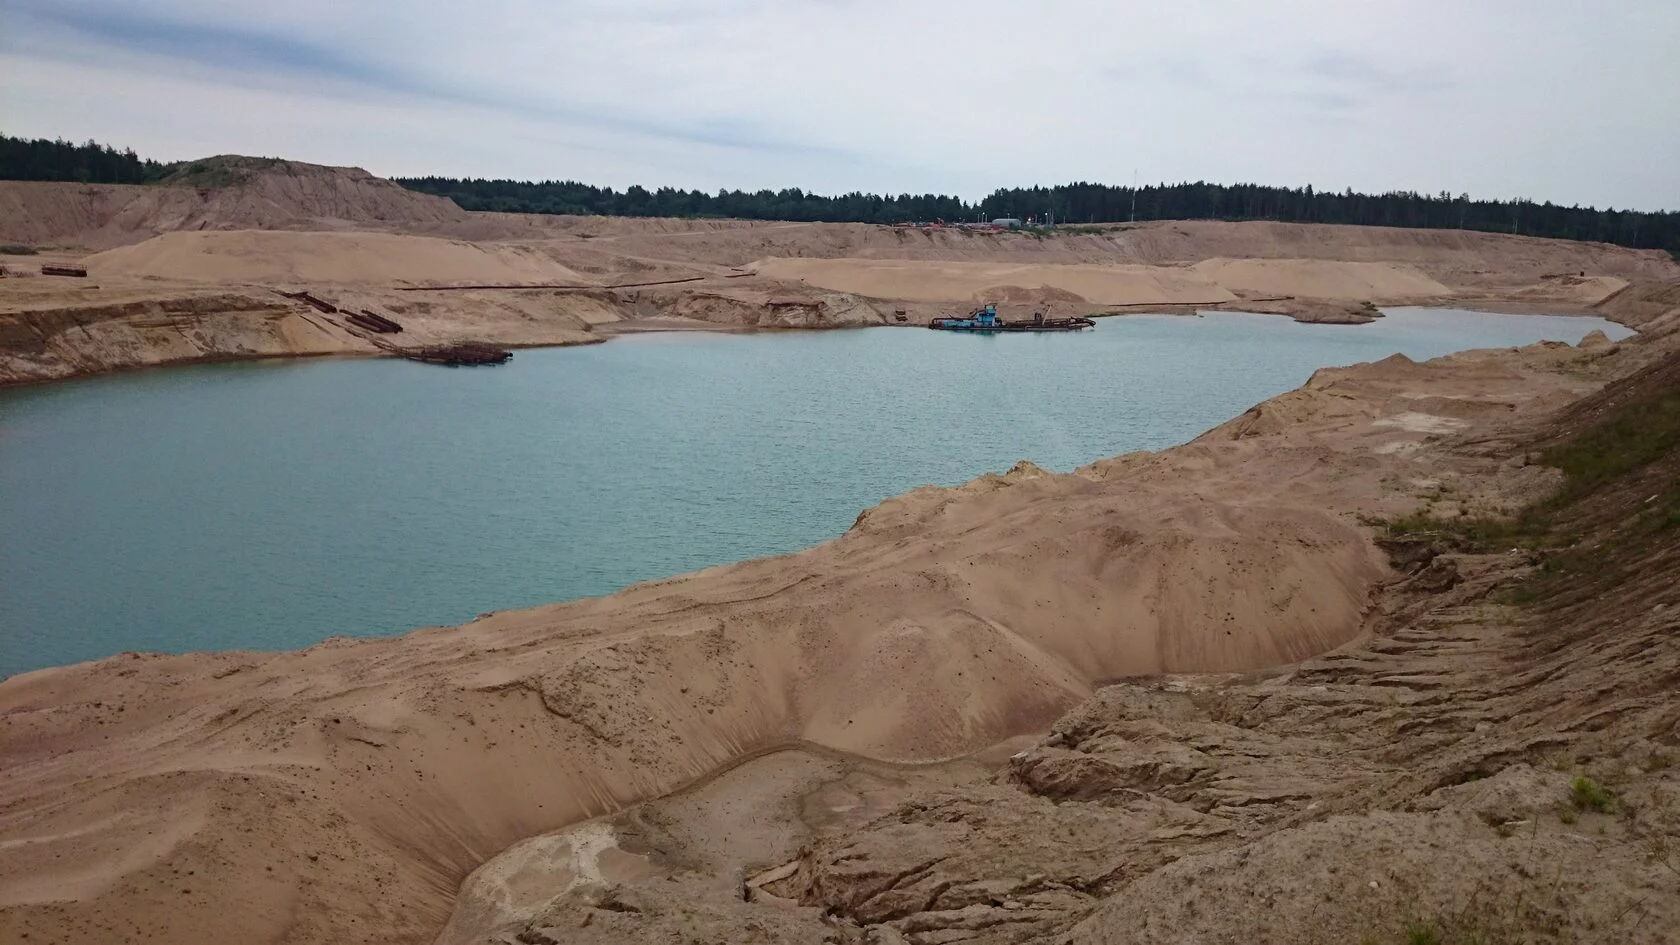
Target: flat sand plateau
{"x": 1035, "y": 707}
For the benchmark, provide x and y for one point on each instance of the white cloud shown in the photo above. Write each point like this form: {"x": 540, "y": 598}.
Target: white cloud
{"x": 1542, "y": 99}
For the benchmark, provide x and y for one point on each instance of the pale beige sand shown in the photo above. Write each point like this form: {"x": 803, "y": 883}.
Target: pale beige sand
{"x": 1320, "y": 278}
{"x": 276, "y": 256}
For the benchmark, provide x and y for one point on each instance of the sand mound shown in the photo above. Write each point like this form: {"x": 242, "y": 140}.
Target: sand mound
{"x": 225, "y": 193}
{"x": 262, "y": 256}
{"x": 240, "y": 193}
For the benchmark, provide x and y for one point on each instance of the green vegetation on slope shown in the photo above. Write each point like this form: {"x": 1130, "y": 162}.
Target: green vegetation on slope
{"x": 1587, "y": 794}
{"x": 1620, "y": 489}
{"x": 211, "y": 173}
{"x": 1630, "y": 437}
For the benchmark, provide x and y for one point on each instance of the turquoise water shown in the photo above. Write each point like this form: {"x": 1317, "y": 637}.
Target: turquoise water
{"x": 271, "y": 505}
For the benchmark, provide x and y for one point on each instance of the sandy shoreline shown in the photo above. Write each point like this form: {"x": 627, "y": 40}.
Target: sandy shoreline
{"x": 662, "y": 325}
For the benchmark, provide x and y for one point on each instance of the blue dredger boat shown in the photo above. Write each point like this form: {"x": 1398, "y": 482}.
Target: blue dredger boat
{"x": 986, "y": 321}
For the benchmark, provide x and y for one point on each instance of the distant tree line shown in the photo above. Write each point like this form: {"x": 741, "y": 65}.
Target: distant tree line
{"x": 1079, "y": 203}
{"x": 1100, "y": 203}
{"x": 91, "y": 163}
{"x": 41, "y": 159}
{"x": 789, "y": 204}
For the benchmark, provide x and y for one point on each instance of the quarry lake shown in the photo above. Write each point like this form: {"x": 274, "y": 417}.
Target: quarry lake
{"x": 272, "y": 505}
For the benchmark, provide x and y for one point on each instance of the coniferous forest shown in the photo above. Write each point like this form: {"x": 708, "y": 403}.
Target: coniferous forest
{"x": 1080, "y": 203}
{"x": 41, "y": 159}
{"x": 90, "y": 163}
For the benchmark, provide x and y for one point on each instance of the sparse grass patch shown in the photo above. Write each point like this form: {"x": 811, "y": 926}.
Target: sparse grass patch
{"x": 1419, "y": 932}
{"x": 1470, "y": 533}
{"x": 1519, "y": 595}
{"x": 18, "y": 249}
{"x": 1496, "y": 914}
{"x": 1587, "y": 794}
{"x": 213, "y": 173}
{"x": 1568, "y": 815}
{"x": 1560, "y": 760}
{"x": 1631, "y": 438}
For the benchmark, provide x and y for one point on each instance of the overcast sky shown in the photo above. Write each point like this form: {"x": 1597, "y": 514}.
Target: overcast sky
{"x": 1564, "y": 100}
